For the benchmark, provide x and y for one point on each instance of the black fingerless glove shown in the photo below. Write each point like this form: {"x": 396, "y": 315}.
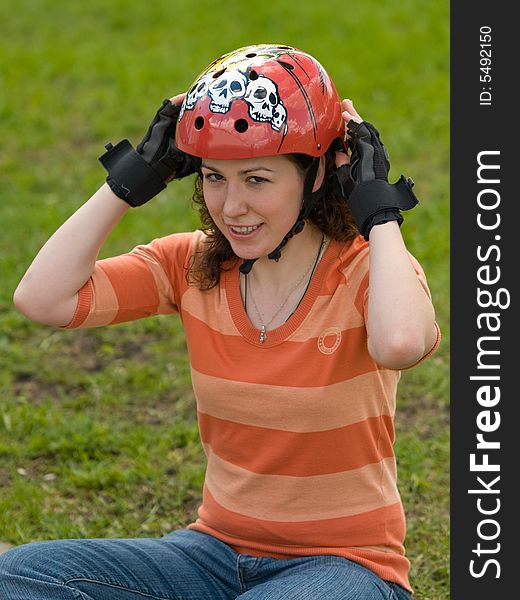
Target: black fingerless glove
{"x": 364, "y": 183}
{"x": 138, "y": 175}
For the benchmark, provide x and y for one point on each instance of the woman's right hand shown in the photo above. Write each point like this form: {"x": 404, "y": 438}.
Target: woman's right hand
{"x": 136, "y": 176}
{"x": 178, "y": 99}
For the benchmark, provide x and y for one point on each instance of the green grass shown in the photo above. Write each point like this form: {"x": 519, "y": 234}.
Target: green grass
{"x": 98, "y": 431}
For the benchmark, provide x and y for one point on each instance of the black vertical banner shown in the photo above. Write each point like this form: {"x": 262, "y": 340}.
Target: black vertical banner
{"x": 485, "y": 238}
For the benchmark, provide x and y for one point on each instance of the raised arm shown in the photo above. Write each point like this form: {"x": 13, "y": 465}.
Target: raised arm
{"x": 48, "y": 292}
{"x": 401, "y": 318}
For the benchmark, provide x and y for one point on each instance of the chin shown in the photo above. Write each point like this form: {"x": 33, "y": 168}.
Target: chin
{"x": 245, "y": 251}
{"x": 245, "y": 255}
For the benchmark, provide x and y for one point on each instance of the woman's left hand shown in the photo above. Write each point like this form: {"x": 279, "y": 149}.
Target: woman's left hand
{"x": 349, "y": 113}
{"x": 364, "y": 182}
{"x": 400, "y": 322}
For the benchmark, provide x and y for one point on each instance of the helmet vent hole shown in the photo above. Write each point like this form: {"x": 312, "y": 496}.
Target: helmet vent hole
{"x": 241, "y": 125}
{"x": 253, "y": 75}
{"x": 251, "y": 55}
{"x": 285, "y": 65}
{"x": 199, "y": 122}
{"x": 285, "y": 47}
{"x": 218, "y": 73}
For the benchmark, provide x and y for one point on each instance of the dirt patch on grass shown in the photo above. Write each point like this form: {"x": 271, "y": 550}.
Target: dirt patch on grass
{"x": 424, "y": 415}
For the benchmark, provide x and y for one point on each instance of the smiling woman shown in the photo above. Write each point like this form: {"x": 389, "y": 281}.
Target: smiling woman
{"x": 253, "y": 204}
{"x": 300, "y": 304}
{"x": 330, "y": 213}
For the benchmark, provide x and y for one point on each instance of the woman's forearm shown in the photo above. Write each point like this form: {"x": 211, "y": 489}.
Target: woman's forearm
{"x": 47, "y": 292}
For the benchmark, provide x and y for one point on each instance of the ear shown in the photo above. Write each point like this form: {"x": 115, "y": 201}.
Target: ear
{"x": 320, "y": 175}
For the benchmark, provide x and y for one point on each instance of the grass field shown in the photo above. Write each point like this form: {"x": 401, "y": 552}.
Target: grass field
{"x": 98, "y": 432}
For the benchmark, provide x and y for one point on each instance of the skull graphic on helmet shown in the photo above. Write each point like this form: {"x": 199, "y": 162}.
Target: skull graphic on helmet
{"x": 224, "y": 87}
{"x": 199, "y": 89}
{"x": 231, "y": 85}
{"x": 262, "y": 97}
{"x": 258, "y": 101}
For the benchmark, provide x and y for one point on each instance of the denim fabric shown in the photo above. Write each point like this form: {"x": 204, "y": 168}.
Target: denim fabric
{"x": 184, "y": 565}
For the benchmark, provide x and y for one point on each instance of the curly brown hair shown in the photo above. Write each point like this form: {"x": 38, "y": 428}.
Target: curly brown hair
{"x": 331, "y": 215}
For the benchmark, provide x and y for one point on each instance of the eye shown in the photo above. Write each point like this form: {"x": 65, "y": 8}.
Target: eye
{"x": 213, "y": 177}
{"x": 256, "y": 180}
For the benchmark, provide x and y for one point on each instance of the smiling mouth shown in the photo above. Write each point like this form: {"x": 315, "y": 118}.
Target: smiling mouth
{"x": 243, "y": 230}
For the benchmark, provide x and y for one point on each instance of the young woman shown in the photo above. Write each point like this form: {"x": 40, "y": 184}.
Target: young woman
{"x": 300, "y": 303}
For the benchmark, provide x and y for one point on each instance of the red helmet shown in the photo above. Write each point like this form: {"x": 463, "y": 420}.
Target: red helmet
{"x": 260, "y": 101}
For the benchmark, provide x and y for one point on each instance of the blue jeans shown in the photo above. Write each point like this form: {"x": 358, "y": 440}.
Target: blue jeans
{"x": 184, "y": 565}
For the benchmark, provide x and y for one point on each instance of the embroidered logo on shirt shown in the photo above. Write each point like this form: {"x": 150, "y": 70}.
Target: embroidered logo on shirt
{"x": 329, "y": 340}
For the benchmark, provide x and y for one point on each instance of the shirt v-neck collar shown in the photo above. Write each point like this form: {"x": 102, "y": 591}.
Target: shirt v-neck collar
{"x": 231, "y": 284}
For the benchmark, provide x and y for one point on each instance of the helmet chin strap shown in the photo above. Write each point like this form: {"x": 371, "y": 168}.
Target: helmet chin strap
{"x": 309, "y": 201}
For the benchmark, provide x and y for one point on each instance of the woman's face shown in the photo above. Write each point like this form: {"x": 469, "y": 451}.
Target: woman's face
{"x": 253, "y": 201}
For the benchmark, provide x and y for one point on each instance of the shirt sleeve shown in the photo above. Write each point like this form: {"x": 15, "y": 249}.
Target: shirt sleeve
{"x": 149, "y": 280}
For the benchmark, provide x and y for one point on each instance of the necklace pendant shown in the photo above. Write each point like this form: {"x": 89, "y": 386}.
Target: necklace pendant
{"x": 263, "y": 335}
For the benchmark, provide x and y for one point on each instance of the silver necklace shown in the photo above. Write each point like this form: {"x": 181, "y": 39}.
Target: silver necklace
{"x": 263, "y": 326}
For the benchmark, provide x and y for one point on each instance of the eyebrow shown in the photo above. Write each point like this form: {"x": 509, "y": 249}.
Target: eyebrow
{"x": 243, "y": 172}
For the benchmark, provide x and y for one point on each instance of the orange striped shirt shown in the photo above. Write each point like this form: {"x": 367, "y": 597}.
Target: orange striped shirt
{"x": 298, "y": 431}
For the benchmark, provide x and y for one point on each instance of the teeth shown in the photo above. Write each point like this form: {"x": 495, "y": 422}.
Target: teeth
{"x": 245, "y": 229}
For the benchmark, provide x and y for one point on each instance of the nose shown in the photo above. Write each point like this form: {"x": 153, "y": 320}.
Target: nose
{"x": 234, "y": 202}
